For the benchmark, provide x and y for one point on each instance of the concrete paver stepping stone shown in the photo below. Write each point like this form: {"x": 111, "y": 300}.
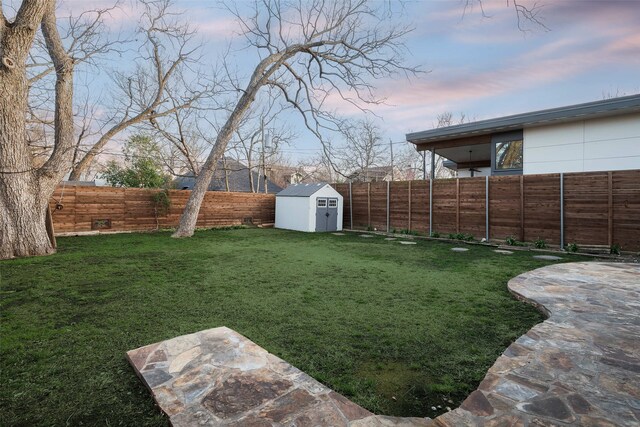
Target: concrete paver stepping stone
{"x": 404, "y": 242}
{"x": 366, "y": 235}
{"x": 503, "y": 252}
{"x": 390, "y": 238}
{"x": 547, "y": 257}
{"x": 459, "y": 249}
{"x": 338, "y": 234}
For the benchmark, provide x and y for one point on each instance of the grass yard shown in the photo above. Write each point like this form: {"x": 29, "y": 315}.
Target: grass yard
{"x": 398, "y": 329}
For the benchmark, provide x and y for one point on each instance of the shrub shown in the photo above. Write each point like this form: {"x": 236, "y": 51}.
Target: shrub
{"x": 161, "y": 205}
{"x": 511, "y": 241}
{"x": 572, "y": 247}
{"x": 615, "y": 249}
{"x": 435, "y": 234}
{"x": 540, "y": 243}
{"x": 407, "y": 231}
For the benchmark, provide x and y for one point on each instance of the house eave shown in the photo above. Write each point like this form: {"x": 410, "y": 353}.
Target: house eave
{"x": 590, "y": 110}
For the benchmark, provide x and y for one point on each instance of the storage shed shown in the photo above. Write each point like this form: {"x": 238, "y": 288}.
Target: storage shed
{"x": 309, "y": 207}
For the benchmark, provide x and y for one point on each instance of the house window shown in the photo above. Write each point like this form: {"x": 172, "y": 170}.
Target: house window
{"x": 507, "y": 153}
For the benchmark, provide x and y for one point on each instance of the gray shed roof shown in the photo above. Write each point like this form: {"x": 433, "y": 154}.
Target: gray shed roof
{"x": 301, "y": 190}
{"x": 603, "y": 108}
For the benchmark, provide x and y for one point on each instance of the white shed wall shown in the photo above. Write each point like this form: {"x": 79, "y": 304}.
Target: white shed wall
{"x": 610, "y": 143}
{"x": 290, "y": 213}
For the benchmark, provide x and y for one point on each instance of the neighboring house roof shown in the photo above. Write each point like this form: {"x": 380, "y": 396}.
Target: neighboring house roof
{"x": 79, "y": 183}
{"x": 589, "y": 110}
{"x": 372, "y": 173}
{"x": 301, "y": 190}
{"x": 238, "y": 176}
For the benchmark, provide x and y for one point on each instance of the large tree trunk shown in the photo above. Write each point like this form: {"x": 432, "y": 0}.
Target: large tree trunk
{"x": 24, "y": 189}
{"x": 259, "y": 78}
{"x": 23, "y": 211}
{"x": 189, "y": 216}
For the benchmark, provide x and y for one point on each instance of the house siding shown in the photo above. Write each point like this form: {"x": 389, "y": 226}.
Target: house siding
{"x": 611, "y": 143}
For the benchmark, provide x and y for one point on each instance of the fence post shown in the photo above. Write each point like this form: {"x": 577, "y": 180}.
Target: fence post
{"x": 486, "y": 203}
{"x": 610, "y": 213}
{"x": 409, "y": 206}
{"x": 350, "y": 208}
{"x": 521, "y": 208}
{"x": 457, "y": 205}
{"x": 388, "y": 184}
{"x": 561, "y": 210}
{"x": 430, "y": 206}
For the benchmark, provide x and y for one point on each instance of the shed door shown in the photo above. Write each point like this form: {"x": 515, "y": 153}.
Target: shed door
{"x": 332, "y": 217}
{"x": 326, "y": 214}
{"x": 322, "y": 214}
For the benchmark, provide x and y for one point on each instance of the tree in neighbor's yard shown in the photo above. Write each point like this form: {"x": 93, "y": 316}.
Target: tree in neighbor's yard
{"x": 312, "y": 52}
{"x": 362, "y": 150}
{"x": 143, "y": 167}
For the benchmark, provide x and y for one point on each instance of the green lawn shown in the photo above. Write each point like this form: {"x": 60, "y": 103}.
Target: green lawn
{"x": 396, "y": 328}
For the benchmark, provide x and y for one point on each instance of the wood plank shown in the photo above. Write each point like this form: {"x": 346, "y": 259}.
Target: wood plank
{"x": 610, "y": 208}
{"x": 409, "y": 210}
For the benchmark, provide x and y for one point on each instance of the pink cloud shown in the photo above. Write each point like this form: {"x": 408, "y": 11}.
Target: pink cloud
{"x": 218, "y": 28}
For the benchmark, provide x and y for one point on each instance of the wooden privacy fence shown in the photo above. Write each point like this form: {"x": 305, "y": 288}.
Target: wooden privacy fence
{"x": 132, "y": 209}
{"x": 593, "y": 208}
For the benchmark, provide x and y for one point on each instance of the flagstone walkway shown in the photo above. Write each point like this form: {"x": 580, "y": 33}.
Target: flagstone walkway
{"x": 580, "y": 367}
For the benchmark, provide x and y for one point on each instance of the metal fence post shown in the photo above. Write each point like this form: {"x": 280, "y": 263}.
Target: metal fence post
{"x": 350, "y": 208}
{"x": 430, "y": 206}
{"x": 562, "y": 210}
{"x": 486, "y": 202}
{"x": 388, "y": 206}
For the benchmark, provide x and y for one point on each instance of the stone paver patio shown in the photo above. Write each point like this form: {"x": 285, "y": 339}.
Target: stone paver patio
{"x": 580, "y": 367}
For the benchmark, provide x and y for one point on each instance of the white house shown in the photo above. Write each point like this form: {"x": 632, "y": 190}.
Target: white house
{"x": 596, "y": 136}
{"x": 309, "y": 207}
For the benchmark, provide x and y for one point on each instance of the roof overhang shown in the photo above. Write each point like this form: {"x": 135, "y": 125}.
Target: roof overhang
{"x": 479, "y": 132}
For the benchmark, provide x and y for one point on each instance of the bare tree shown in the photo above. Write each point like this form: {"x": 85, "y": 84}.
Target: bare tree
{"x": 530, "y": 13}
{"x": 364, "y": 150}
{"x": 183, "y": 137}
{"x": 165, "y": 79}
{"x": 309, "y": 51}
{"x": 43, "y": 134}
{"x": 410, "y": 163}
{"x": 259, "y": 137}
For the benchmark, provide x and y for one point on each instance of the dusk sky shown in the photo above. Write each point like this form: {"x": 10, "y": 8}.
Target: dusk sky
{"x": 482, "y": 66}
